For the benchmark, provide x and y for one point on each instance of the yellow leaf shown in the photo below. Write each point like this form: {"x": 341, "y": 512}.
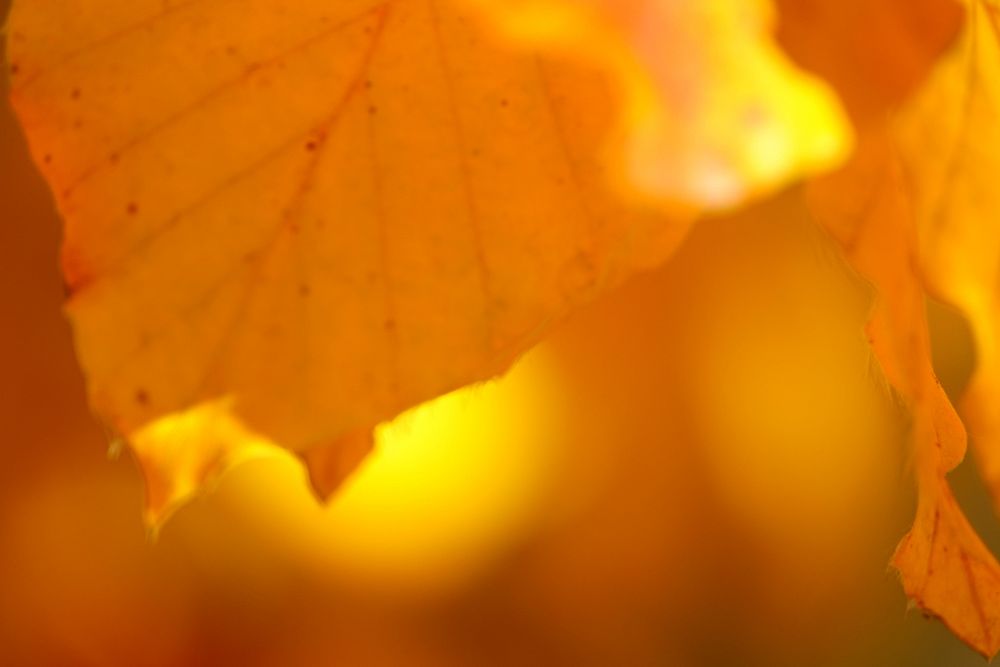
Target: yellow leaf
{"x": 311, "y": 219}
{"x": 715, "y": 112}
{"x": 943, "y": 563}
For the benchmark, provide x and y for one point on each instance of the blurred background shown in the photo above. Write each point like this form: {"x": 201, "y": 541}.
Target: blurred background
{"x": 703, "y": 468}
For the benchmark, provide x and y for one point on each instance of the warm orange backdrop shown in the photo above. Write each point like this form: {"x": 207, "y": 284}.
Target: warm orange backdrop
{"x": 682, "y": 521}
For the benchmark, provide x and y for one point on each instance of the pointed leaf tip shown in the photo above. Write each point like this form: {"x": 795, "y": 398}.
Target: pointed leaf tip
{"x": 329, "y": 467}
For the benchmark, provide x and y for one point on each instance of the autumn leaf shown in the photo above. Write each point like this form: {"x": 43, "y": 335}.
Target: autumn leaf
{"x": 291, "y": 226}
{"x": 950, "y": 143}
{"x": 947, "y": 141}
{"x": 879, "y": 210}
{"x": 314, "y": 219}
{"x": 714, "y": 112}
{"x": 945, "y": 567}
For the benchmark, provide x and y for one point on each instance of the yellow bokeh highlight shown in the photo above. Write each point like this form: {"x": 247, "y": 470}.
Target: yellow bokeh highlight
{"x": 449, "y": 485}
{"x": 713, "y": 112}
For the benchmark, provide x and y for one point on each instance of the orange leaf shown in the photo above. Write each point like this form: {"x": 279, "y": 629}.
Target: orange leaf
{"x": 944, "y": 565}
{"x": 950, "y": 141}
{"x": 305, "y": 222}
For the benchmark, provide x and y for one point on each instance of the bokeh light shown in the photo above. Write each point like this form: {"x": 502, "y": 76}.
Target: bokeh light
{"x": 451, "y": 484}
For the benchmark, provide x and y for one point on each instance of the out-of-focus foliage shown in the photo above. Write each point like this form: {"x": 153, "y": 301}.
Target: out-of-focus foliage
{"x": 874, "y": 55}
